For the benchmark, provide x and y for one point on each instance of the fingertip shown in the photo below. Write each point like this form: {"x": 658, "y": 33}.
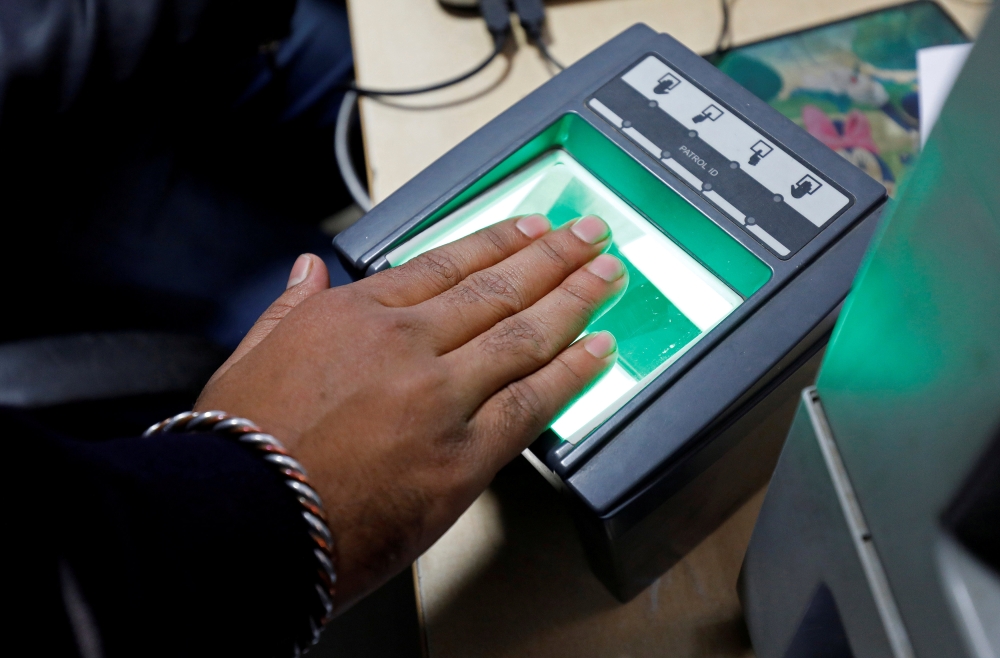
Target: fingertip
{"x": 591, "y": 229}
{"x": 300, "y": 270}
{"x": 607, "y": 267}
{"x": 308, "y": 268}
{"x": 601, "y": 345}
{"x": 534, "y": 226}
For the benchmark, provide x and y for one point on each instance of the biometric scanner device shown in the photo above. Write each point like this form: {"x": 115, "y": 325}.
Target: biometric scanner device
{"x": 741, "y": 235}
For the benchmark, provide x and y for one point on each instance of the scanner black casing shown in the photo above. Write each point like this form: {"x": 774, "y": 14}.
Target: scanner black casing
{"x": 679, "y": 458}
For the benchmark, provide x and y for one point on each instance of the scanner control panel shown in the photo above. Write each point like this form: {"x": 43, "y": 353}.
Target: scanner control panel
{"x": 780, "y": 201}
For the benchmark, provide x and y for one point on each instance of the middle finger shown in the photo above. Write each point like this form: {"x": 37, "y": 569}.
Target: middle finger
{"x": 488, "y": 296}
{"x": 523, "y": 343}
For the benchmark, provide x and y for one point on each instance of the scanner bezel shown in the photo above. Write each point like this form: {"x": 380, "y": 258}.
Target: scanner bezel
{"x": 364, "y": 245}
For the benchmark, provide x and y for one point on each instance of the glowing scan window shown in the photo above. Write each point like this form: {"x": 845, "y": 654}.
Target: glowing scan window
{"x": 671, "y": 302}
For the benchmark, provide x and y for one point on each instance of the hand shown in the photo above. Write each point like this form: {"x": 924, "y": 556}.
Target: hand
{"x": 403, "y": 394}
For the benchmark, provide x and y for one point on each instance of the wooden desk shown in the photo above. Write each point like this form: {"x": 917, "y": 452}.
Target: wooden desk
{"x": 509, "y": 579}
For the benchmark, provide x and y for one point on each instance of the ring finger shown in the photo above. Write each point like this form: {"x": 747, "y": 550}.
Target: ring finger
{"x": 526, "y": 341}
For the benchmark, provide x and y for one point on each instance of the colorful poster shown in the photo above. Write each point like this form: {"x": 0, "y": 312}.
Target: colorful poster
{"x": 851, "y": 84}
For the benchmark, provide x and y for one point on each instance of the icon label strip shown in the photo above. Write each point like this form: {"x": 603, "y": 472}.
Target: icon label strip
{"x": 691, "y": 178}
{"x": 802, "y": 188}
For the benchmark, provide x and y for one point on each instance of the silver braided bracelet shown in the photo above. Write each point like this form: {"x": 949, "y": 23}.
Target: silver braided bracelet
{"x": 294, "y": 476}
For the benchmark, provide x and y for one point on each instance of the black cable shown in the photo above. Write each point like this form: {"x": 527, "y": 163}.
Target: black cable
{"x": 725, "y": 33}
{"x": 345, "y": 114}
{"x": 543, "y": 49}
{"x": 497, "y": 17}
{"x": 499, "y": 44}
{"x": 531, "y": 15}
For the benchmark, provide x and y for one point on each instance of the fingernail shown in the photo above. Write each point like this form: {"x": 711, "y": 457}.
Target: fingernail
{"x": 601, "y": 345}
{"x": 300, "y": 270}
{"x": 607, "y": 267}
{"x": 534, "y": 226}
{"x": 591, "y": 229}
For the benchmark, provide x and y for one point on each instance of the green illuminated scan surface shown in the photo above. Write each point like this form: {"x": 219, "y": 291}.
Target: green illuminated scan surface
{"x": 671, "y": 301}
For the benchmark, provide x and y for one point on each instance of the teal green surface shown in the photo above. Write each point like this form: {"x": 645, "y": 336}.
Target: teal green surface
{"x": 920, "y": 329}
{"x": 647, "y": 318}
{"x": 911, "y": 378}
{"x": 699, "y": 235}
{"x": 648, "y": 327}
{"x": 570, "y": 170}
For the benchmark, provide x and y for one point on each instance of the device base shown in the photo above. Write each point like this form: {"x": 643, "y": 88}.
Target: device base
{"x": 748, "y": 448}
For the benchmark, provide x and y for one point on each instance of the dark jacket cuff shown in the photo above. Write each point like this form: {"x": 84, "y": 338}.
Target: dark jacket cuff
{"x": 181, "y": 544}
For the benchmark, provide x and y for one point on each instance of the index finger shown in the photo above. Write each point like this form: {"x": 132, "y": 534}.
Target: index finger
{"x": 514, "y": 416}
{"x": 437, "y": 270}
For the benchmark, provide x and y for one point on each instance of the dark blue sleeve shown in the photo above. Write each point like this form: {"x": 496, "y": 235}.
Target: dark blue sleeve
{"x": 183, "y": 545}
{"x": 53, "y": 52}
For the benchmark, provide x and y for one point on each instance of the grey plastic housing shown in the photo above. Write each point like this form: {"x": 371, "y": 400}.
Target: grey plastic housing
{"x": 672, "y": 439}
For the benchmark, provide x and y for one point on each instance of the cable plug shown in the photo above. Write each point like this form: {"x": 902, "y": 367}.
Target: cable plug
{"x": 531, "y": 14}
{"x": 496, "y": 13}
